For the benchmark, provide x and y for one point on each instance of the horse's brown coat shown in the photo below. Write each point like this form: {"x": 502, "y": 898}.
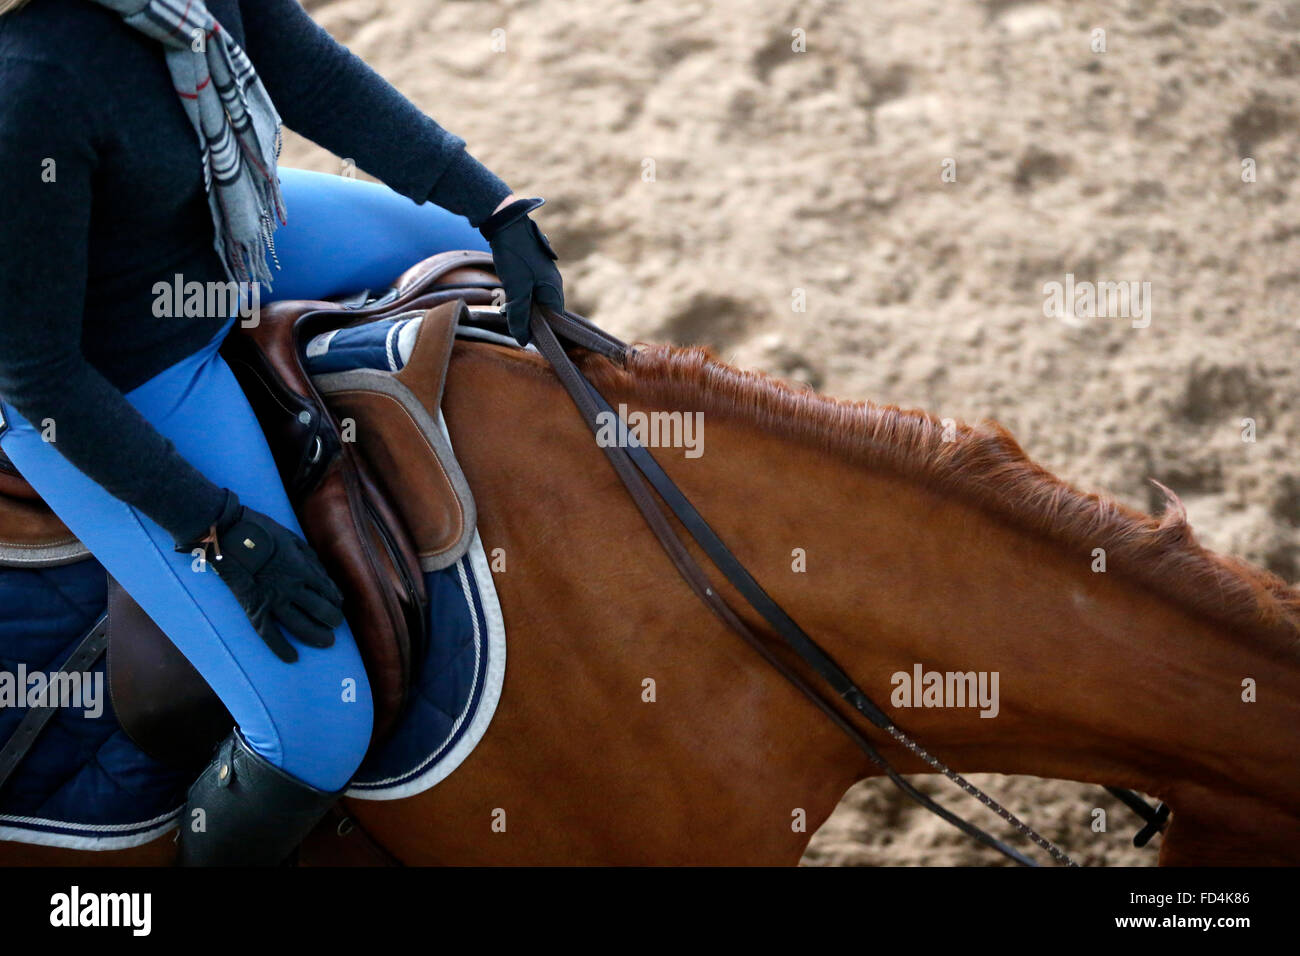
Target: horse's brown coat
{"x": 958, "y": 556}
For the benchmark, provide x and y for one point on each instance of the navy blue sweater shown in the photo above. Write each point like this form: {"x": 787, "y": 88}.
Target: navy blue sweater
{"x": 89, "y": 100}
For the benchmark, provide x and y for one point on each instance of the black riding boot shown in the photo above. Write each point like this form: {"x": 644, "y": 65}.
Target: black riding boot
{"x": 244, "y": 812}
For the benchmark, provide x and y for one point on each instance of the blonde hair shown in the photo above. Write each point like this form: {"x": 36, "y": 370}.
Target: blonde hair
{"x": 8, "y": 6}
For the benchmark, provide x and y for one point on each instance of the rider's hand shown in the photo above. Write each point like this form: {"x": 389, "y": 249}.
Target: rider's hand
{"x": 275, "y": 576}
{"x": 525, "y": 262}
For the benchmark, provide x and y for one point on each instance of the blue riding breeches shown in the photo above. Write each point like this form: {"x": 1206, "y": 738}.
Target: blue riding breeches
{"x": 311, "y": 718}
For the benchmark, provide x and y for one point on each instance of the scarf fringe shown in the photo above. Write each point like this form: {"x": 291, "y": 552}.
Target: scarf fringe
{"x": 237, "y": 125}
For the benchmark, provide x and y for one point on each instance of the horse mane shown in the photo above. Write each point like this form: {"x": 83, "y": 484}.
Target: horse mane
{"x": 985, "y": 466}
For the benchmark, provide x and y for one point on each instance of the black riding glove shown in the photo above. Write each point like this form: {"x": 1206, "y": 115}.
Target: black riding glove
{"x": 275, "y": 576}
{"x": 525, "y": 262}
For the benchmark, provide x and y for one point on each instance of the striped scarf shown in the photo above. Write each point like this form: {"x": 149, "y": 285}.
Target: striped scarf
{"x": 237, "y": 126}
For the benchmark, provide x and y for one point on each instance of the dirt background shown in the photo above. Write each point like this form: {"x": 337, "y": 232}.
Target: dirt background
{"x": 776, "y": 170}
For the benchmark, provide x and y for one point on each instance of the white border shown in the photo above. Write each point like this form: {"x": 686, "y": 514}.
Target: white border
{"x": 88, "y": 839}
{"x": 493, "y": 680}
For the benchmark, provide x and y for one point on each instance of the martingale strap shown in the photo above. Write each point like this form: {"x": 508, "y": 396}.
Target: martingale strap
{"x": 635, "y": 466}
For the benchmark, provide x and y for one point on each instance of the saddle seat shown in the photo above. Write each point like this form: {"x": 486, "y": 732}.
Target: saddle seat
{"x": 381, "y": 502}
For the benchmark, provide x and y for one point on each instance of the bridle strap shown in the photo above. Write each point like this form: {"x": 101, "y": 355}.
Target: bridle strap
{"x": 635, "y": 466}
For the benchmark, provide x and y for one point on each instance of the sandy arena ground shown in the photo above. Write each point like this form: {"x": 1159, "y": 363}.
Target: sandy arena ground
{"x": 822, "y": 170}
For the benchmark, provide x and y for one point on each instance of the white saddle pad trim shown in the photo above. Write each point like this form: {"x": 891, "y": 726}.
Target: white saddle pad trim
{"x": 494, "y": 678}
{"x": 88, "y": 836}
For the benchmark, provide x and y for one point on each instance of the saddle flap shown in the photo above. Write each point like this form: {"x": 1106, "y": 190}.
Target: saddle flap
{"x": 398, "y": 429}
{"x": 162, "y": 703}
{"x": 425, "y": 373}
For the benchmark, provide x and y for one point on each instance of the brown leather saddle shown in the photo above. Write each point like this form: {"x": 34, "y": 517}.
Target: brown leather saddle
{"x": 379, "y": 510}
{"x": 31, "y": 535}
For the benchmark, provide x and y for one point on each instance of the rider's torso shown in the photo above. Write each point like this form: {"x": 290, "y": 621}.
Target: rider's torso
{"x": 149, "y": 218}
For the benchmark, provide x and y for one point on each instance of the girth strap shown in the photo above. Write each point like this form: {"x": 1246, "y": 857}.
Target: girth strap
{"x": 88, "y": 650}
{"x": 634, "y": 465}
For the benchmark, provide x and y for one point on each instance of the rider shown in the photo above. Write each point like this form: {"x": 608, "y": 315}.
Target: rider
{"x": 130, "y": 425}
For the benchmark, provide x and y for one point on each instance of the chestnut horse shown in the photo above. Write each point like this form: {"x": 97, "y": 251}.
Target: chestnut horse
{"x": 634, "y": 728}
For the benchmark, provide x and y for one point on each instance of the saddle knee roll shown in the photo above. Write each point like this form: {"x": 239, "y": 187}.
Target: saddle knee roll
{"x": 399, "y": 433}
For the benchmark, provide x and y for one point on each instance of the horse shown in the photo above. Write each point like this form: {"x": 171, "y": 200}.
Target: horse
{"x": 635, "y": 728}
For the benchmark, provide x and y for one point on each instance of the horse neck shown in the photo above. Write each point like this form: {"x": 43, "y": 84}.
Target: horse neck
{"x": 1099, "y": 678}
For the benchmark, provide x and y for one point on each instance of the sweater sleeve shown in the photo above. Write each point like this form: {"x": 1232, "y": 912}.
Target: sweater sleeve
{"x": 325, "y": 92}
{"x": 47, "y": 164}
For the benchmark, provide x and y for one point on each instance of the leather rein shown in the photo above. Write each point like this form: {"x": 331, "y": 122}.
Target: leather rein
{"x": 640, "y": 473}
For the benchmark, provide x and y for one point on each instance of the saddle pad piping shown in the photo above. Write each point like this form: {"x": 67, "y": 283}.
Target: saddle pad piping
{"x": 87, "y": 836}
{"x": 480, "y": 593}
